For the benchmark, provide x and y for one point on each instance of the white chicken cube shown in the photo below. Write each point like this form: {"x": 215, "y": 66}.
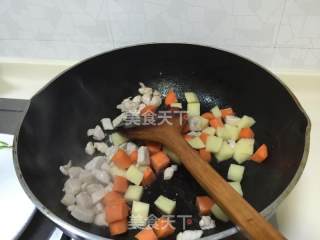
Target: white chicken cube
{"x": 143, "y": 156}
{"x": 83, "y": 200}
{"x": 83, "y": 214}
{"x": 106, "y": 124}
{"x": 207, "y": 223}
{"x": 98, "y": 133}
{"x": 101, "y": 147}
{"x": 95, "y": 163}
{"x": 89, "y": 148}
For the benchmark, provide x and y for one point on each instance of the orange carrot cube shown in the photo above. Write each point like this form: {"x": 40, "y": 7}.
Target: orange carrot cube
{"x": 204, "y": 205}
{"x": 159, "y": 161}
{"x": 120, "y": 184}
{"x": 121, "y": 159}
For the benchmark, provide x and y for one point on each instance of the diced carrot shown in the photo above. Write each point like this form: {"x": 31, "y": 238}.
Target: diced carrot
{"x": 187, "y": 137}
{"x": 216, "y": 122}
{"x": 146, "y": 234}
{"x": 121, "y": 159}
{"x": 227, "y": 112}
{"x": 205, "y": 155}
{"x": 134, "y": 156}
{"x": 112, "y": 197}
{"x": 208, "y": 116}
{"x": 148, "y": 177}
{"x": 118, "y": 227}
{"x": 204, "y": 136}
{"x": 163, "y": 227}
{"x": 153, "y": 147}
{"x": 159, "y": 161}
{"x": 116, "y": 211}
{"x": 149, "y": 109}
{"x": 261, "y": 154}
{"x": 185, "y": 128}
{"x": 246, "y": 133}
{"x": 204, "y": 205}
{"x": 120, "y": 184}
{"x": 170, "y": 98}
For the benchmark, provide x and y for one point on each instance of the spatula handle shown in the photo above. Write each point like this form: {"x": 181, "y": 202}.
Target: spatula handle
{"x": 252, "y": 224}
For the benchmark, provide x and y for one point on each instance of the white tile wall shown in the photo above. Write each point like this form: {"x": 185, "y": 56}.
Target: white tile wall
{"x": 279, "y": 34}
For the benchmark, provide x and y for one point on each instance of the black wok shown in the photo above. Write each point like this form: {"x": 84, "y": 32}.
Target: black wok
{"x": 54, "y": 127}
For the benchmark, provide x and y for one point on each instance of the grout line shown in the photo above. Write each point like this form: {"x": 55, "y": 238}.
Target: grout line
{"x": 280, "y": 23}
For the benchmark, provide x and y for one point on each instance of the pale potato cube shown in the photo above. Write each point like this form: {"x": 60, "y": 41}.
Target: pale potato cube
{"x": 193, "y": 109}
{"x": 232, "y": 120}
{"x": 196, "y": 143}
{"x": 191, "y": 97}
{"x": 216, "y": 112}
{"x": 118, "y": 139}
{"x": 231, "y": 132}
{"x": 116, "y": 171}
{"x": 166, "y": 205}
{"x": 219, "y": 214}
{"x": 214, "y": 144}
{"x": 176, "y": 105}
{"x": 235, "y": 172}
{"x": 246, "y": 122}
{"x": 220, "y": 132}
{"x": 236, "y": 186}
{"x": 139, "y": 214}
{"x": 133, "y": 193}
{"x": 225, "y": 153}
{"x": 134, "y": 175}
{"x": 209, "y": 130}
{"x": 243, "y": 150}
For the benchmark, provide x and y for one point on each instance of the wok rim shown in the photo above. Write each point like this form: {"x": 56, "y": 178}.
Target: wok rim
{"x": 78, "y": 232}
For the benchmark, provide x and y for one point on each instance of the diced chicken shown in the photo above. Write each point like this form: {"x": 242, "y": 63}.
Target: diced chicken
{"x": 144, "y": 90}
{"x": 89, "y": 148}
{"x": 137, "y": 99}
{"x": 146, "y": 98}
{"x": 71, "y": 207}
{"x": 105, "y": 166}
{"x": 101, "y": 147}
{"x": 94, "y": 187}
{"x": 68, "y": 199}
{"x": 72, "y": 186}
{"x": 118, "y": 120}
{"x": 169, "y": 171}
{"x": 99, "y": 220}
{"x": 102, "y": 176}
{"x": 64, "y": 169}
{"x": 156, "y": 101}
{"x": 82, "y": 214}
{"x": 84, "y": 200}
{"x": 190, "y": 235}
{"x": 95, "y": 163}
{"x": 106, "y": 124}
{"x": 108, "y": 188}
{"x": 143, "y": 156}
{"x": 98, "y": 133}
{"x": 110, "y": 152}
{"x": 156, "y": 93}
{"x": 99, "y": 208}
{"x": 206, "y": 223}
{"x": 90, "y": 132}
{"x": 130, "y": 147}
{"x": 74, "y": 172}
{"x": 97, "y": 196}
{"x": 87, "y": 177}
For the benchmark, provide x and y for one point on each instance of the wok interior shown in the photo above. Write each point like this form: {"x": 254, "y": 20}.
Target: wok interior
{"x": 54, "y": 129}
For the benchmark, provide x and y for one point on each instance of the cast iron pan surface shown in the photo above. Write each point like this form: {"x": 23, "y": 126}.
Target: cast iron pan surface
{"x": 54, "y": 128}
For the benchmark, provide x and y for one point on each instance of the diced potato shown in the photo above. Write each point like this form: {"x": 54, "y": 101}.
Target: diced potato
{"x": 176, "y": 105}
{"x": 196, "y": 143}
{"x": 246, "y": 122}
{"x": 171, "y": 155}
{"x": 214, "y": 144}
{"x": 216, "y": 112}
{"x": 225, "y": 153}
{"x": 166, "y": 205}
{"x": 118, "y": 139}
{"x": 193, "y": 109}
{"x": 232, "y": 120}
{"x": 191, "y": 97}
{"x": 243, "y": 150}
{"x": 116, "y": 171}
{"x": 134, "y": 175}
{"x": 235, "y": 172}
{"x": 197, "y": 123}
{"x": 236, "y": 186}
{"x": 209, "y": 131}
{"x": 133, "y": 193}
{"x": 218, "y": 213}
{"x": 231, "y": 132}
{"x": 221, "y": 132}
{"x": 139, "y": 214}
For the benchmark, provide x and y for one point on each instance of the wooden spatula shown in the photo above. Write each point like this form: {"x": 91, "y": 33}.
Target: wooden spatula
{"x": 252, "y": 224}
